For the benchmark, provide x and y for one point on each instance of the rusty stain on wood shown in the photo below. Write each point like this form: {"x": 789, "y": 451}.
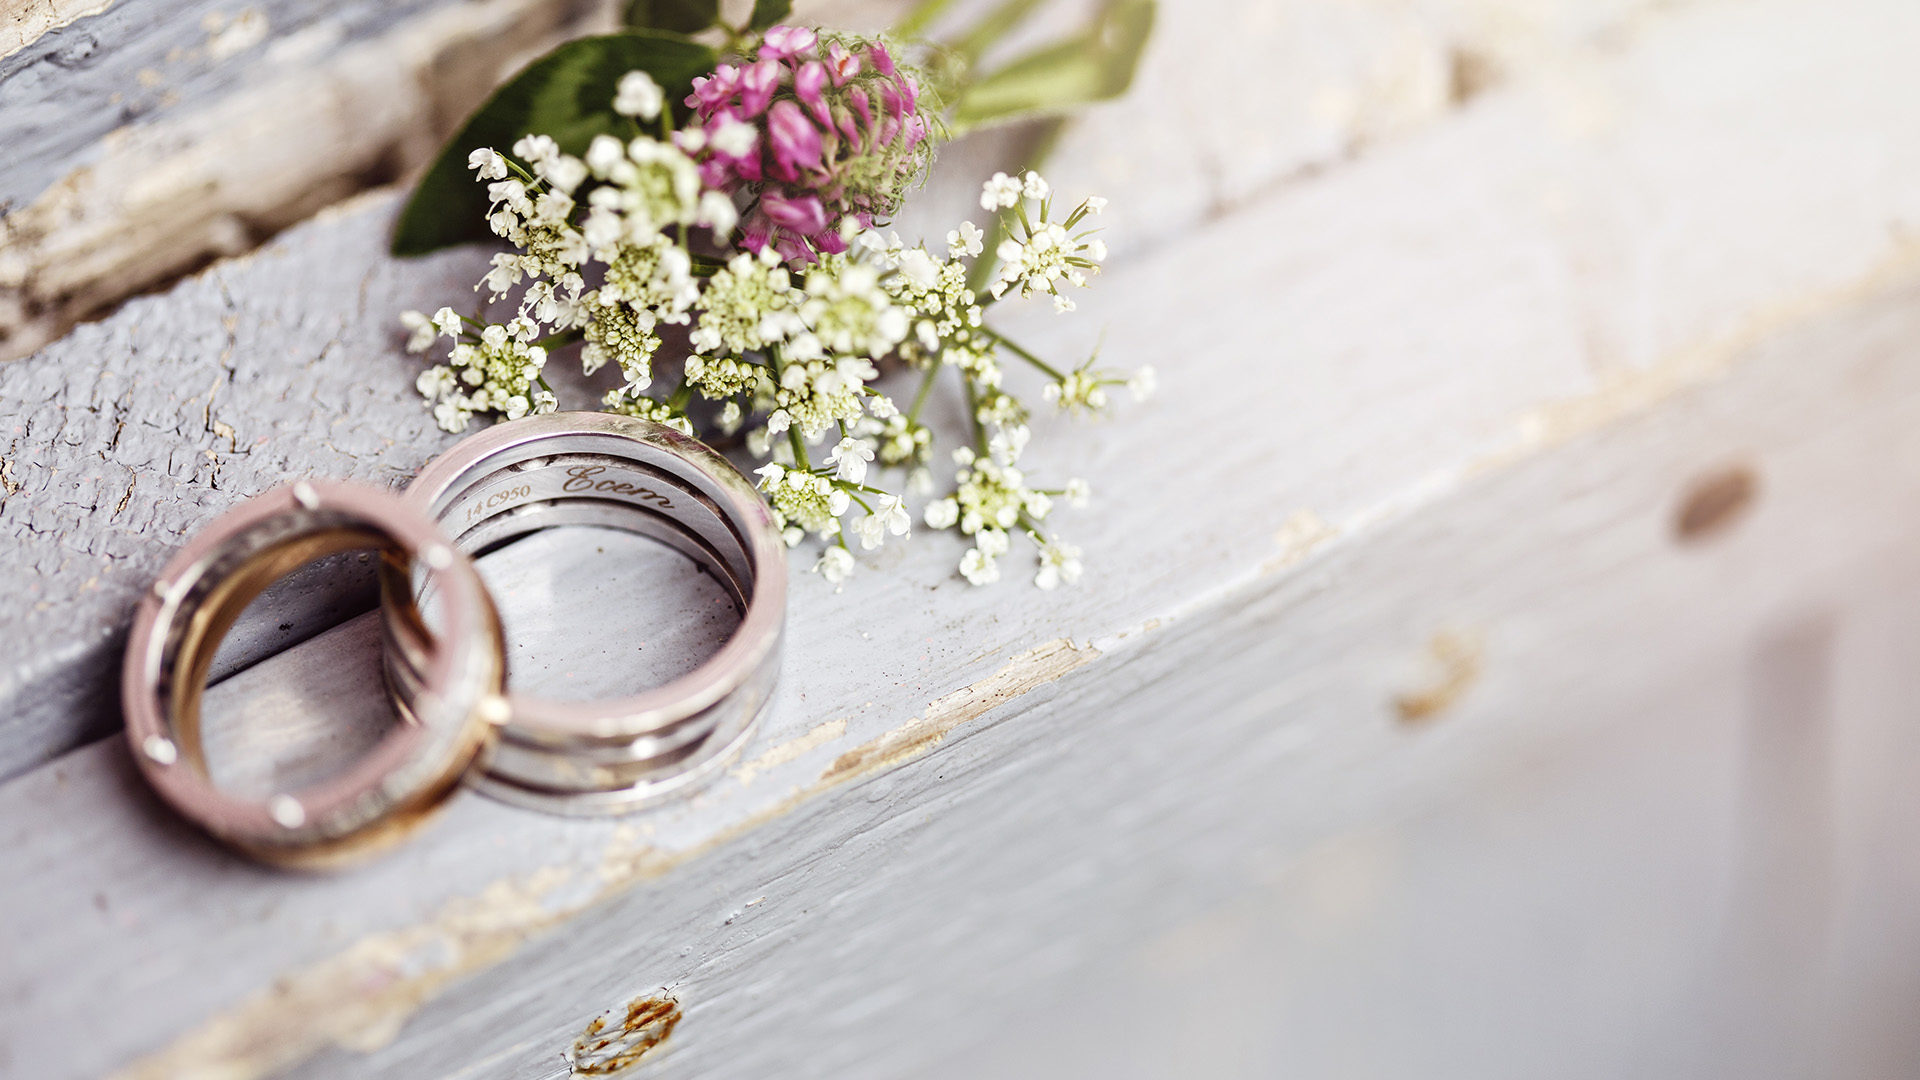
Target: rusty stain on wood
{"x": 617, "y": 1039}
{"x": 359, "y": 998}
{"x": 1457, "y": 657}
{"x": 1713, "y": 502}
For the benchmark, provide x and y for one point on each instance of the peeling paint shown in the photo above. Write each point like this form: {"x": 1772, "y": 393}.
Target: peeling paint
{"x": 792, "y": 748}
{"x": 34, "y": 21}
{"x": 360, "y": 998}
{"x": 1631, "y": 393}
{"x": 1036, "y": 667}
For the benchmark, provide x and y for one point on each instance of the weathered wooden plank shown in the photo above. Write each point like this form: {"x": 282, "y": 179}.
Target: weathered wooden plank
{"x": 1432, "y": 318}
{"x": 152, "y": 137}
{"x": 1077, "y": 796}
{"x": 186, "y": 132}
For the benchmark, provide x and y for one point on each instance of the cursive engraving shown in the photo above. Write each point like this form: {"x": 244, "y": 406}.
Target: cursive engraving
{"x": 581, "y": 478}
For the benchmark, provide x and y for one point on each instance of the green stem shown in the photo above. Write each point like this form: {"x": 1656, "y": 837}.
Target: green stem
{"x": 920, "y": 396}
{"x": 973, "y": 417}
{"x": 915, "y": 22}
{"x": 1023, "y": 354}
{"x": 1044, "y": 144}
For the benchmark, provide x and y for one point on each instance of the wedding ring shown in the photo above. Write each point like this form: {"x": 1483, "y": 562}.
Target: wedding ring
{"x": 599, "y": 469}
{"x": 445, "y": 724}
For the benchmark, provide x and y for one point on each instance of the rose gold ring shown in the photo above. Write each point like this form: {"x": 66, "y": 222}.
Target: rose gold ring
{"x": 445, "y": 728}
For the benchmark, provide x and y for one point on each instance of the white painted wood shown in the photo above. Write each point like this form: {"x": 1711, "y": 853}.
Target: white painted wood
{"x": 1489, "y": 359}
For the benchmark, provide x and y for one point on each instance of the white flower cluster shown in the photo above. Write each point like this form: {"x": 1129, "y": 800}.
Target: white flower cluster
{"x": 624, "y": 252}
{"x": 993, "y": 500}
{"x": 1040, "y": 254}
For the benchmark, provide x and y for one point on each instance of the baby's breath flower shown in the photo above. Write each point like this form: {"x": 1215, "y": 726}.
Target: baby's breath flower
{"x": 1039, "y": 255}
{"x": 835, "y": 564}
{"x": 746, "y": 306}
{"x": 850, "y": 458}
{"x": 1001, "y": 192}
{"x": 420, "y": 331}
{"x": 488, "y": 164}
{"x": 1143, "y": 383}
{"x": 979, "y": 568}
{"x": 1059, "y": 563}
{"x": 942, "y": 513}
{"x": 638, "y": 95}
{"x": 965, "y": 240}
{"x": 814, "y": 138}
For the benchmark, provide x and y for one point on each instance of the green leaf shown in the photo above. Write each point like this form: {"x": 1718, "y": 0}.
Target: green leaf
{"x": 769, "y": 12}
{"x": 1096, "y": 66}
{"x": 567, "y": 94}
{"x": 679, "y": 16}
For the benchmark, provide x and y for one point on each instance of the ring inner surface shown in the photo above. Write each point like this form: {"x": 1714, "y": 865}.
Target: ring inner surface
{"x": 224, "y": 589}
{"x": 502, "y": 501}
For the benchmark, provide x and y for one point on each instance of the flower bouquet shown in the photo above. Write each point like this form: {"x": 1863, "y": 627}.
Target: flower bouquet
{"x": 702, "y": 208}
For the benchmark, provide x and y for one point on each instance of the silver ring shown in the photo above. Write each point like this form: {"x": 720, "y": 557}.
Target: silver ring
{"x": 612, "y": 757}
{"x": 411, "y": 771}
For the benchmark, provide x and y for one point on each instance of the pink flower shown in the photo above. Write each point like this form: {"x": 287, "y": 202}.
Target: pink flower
{"x": 841, "y": 63}
{"x": 757, "y": 85}
{"x": 783, "y": 42}
{"x": 808, "y": 83}
{"x": 841, "y": 138}
{"x": 796, "y": 142}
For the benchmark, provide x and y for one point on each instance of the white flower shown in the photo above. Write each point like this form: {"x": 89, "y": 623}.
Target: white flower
{"x": 1143, "y": 383}
{"x": 941, "y": 514}
{"x": 488, "y": 162}
{"x": 436, "y": 382}
{"x": 604, "y": 155}
{"x": 965, "y": 240}
{"x": 1007, "y": 444}
{"x": 991, "y": 542}
{"x": 639, "y": 96}
{"x": 1094, "y": 204}
{"x": 893, "y": 511}
{"x": 872, "y": 531}
{"x": 565, "y": 172}
{"x": 717, "y": 212}
{"x": 1000, "y": 192}
{"x": 770, "y": 475}
{"x": 420, "y": 331}
{"x": 534, "y": 149}
{"x": 1038, "y": 504}
{"x": 734, "y": 138}
{"x": 1033, "y": 186}
{"x": 979, "y": 569}
{"x": 451, "y": 416}
{"x": 1078, "y": 493}
{"x": 1059, "y": 564}
{"x": 544, "y": 402}
{"x": 447, "y": 321}
{"x": 850, "y": 458}
{"x": 516, "y": 407}
{"x": 835, "y": 565}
